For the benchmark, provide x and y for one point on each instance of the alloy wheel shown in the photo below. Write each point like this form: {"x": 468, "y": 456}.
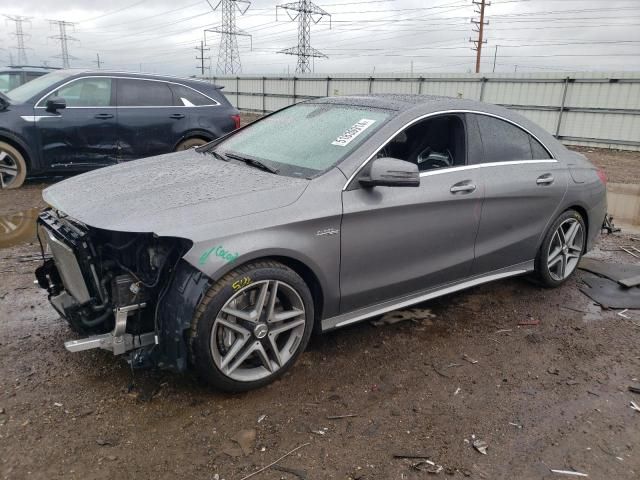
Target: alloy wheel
{"x": 8, "y": 169}
{"x": 565, "y": 249}
{"x": 258, "y": 330}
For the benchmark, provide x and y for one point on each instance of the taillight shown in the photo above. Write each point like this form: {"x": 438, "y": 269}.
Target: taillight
{"x": 602, "y": 176}
{"x": 236, "y": 120}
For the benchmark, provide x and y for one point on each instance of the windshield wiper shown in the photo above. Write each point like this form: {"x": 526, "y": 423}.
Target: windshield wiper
{"x": 219, "y": 156}
{"x": 253, "y": 162}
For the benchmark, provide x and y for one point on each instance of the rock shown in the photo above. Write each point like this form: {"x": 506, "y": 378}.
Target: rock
{"x": 103, "y": 442}
{"x": 553, "y": 371}
{"x": 1, "y": 411}
{"x": 111, "y": 458}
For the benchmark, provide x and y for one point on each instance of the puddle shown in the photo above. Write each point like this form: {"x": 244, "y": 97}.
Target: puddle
{"x": 17, "y": 228}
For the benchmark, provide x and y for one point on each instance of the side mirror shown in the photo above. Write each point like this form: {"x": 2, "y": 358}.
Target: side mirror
{"x": 392, "y": 172}
{"x": 56, "y": 103}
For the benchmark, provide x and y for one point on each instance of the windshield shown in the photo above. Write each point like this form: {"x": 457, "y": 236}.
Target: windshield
{"x": 306, "y": 139}
{"x": 36, "y": 86}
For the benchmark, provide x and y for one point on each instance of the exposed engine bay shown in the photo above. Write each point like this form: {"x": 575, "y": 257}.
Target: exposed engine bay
{"x": 104, "y": 283}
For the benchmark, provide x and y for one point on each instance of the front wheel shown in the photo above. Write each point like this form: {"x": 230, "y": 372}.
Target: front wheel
{"x": 13, "y": 168}
{"x": 561, "y": 249}
{"x": 251, "y": 326}
{"x": 190, "y": 143}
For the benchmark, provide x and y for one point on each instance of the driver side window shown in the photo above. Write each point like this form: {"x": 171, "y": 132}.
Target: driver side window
{"x": 437, "y": 142}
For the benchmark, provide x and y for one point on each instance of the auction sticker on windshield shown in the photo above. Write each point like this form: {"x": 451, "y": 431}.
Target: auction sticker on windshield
{"x": 352, "y": 132}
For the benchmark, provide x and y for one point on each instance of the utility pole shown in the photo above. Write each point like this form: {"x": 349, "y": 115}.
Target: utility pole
{"x": 63, "y": 38}
{"x": 97, "y": 61}
{"x": 19, "y": 34}
{"x": 228, "y": 54}
{"x": 479, "y": 29}
{"x": 305, "y": 12}
{"x": 202, "y": 58}
{"x": 495, "y": 56}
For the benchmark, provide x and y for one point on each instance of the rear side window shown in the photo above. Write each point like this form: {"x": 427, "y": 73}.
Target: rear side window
{"x": 502, "y": 141}
{"x": 187, "y": 97}
{"x": 537, "y": 150}
{"x": 143, "y": 93}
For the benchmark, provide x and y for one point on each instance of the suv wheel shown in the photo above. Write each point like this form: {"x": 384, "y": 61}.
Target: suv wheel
{"x": 190, "y": 143}
{"x": 561, "y": 249}
{"x": 13, "y": 168}
{"x": 251, "y": 326}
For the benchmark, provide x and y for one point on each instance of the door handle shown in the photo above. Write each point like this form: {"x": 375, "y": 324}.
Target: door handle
{"x": 103, "y": 116}
{"x": 546, "y": 179}
{"x": 176, "y": 116}
{"x": 463, "y": 187}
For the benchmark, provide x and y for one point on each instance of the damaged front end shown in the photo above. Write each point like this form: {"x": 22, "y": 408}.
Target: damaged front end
{"x": 106, "y": 284}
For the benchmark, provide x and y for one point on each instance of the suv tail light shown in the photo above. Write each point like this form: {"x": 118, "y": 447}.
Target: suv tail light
{"x": 602, "y": 176}
{"x": 236, "y": 120}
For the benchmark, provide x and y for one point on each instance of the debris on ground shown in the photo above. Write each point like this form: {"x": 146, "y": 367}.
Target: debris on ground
{"x": 504, "y": 330}
{"x": 469, "y": 359}
{"x": 411, "y": 455}
{"x": 338, "y": 417}
{"x": 246, "y": 439}
{"x": 553, "y": 371}
{"x": 529, "y": 321}
{"x": 623, "y": 312}
{"x": 261, "y": 418}
{"x": 632, "y": 388}
{"x": 481, "y": 446}
{"x": 320, "y": 431}
{"x": 568, "y": 472}
{"x": 635, "y": 406}
{"x": 273, "y": 463}
{"x": 517, "y": 425}
{"x": 426, "y": 466}
{"x": 413, "y": 314}
{"x": 457, "y": 391}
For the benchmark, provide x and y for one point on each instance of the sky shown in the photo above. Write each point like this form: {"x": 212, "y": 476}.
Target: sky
{"x": 360, "y": 36}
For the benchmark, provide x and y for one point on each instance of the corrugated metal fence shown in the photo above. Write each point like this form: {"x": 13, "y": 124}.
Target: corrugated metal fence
{"x": 594, "y": 109}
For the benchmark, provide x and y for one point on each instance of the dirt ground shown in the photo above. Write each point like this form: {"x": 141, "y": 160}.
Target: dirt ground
{"x": 551, "y": 395}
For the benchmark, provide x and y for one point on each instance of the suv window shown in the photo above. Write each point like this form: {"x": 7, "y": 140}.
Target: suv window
{"x": 505, "y": 142}
{"x": 143, "y": 93}
{"x": 187, "y": 97}
{"x": 85, "y": 92}
{"x": 9, "y": 81}
{"x": 433, "y": 143}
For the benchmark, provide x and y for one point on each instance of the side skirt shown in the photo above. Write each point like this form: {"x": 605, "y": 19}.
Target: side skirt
{"x": 401, "y": 302}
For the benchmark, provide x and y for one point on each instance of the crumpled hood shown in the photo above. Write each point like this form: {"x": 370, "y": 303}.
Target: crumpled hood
{"x": 171, "y": 194}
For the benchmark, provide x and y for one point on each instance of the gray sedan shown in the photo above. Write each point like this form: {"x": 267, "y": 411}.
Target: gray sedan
{"x": 318, "y": 216}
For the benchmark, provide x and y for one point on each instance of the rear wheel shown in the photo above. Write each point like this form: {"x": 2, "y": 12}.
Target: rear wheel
{"x": 13, "y": 168}
{"x": 251, "y": 326}
{"x": 190, "y": 143}
{"x": 561, "y": 249}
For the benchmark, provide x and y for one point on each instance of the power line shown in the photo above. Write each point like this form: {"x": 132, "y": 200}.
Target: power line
{"x": 19, "y": 34}
{"x": 307, "y": 12}
{"x": 228, "y": 54}
{"x": 63, "y": 38}
{"x": 479, "y": 28}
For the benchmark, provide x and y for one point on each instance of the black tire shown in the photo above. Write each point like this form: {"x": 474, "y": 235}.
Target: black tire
{"x": 202, "y": 326}
{"x": 10, "y": 159}
{"x": 190, "y": 143}
{"x": 549, "y": 277}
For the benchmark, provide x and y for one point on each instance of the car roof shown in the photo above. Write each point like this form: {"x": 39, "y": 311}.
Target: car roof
{"x": 144, "y": 76}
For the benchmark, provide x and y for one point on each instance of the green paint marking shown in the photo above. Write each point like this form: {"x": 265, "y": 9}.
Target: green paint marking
{"x": 219, "y": 252}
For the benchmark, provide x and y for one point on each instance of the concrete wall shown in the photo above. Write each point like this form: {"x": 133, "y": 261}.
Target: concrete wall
{"x": 623, "y": 202}
{"x": 593, "y": 109}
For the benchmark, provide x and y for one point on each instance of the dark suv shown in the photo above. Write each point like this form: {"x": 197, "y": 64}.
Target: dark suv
{"x": 75, "y": 120}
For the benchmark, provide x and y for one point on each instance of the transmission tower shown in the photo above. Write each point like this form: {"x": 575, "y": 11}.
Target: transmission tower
{"x": 63, "y": 38}
{"x": 20, "y": 35}
{"x": 228, "y": 54}
{"x": 306, "y": 12}
{"x": 202, "y": 58}
{"x": 479, "y": 29}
